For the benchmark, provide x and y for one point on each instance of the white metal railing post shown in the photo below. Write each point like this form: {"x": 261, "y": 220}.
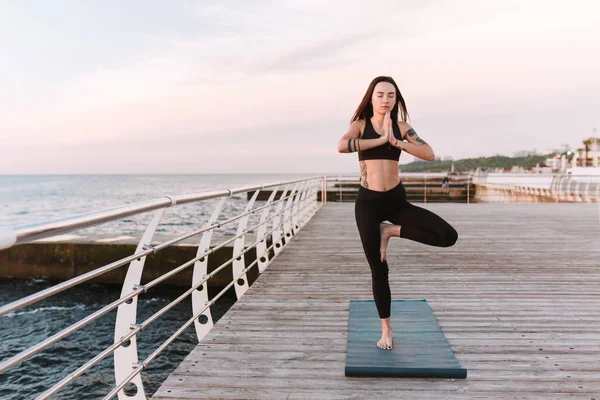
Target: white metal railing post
{"x": 576, "y": 195}
{"x": 586, "y": 193}
{"x": 261, "y": 247}
{"x": 296, "y": 208}
{"x": 287, "y": 225}
{"x": 277, "y": 234}
{"x": 239, "y": 263}
{"x": 568, "y": 194}
{"x": 306, "y": 197}
{"x": 314, "y": 203}
{"x": 200, "y": 271}
{"x": 126, "y": 357}
{"x": 560, "y": 189}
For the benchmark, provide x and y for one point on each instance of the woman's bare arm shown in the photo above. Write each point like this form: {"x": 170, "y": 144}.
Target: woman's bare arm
{"x": 414, "y": 144}
{"x": 351, "y": 141}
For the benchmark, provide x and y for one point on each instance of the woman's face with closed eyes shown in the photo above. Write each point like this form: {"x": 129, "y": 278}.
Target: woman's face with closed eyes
{"x": 384, "y": 97}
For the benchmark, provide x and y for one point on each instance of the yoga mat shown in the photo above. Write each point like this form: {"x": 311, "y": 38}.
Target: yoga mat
{"x": 420, "y": 349}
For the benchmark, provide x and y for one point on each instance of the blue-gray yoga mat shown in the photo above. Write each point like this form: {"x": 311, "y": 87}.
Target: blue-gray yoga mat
{"x": 420, "y": 349}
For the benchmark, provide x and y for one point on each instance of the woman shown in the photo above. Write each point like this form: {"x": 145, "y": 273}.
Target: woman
{"x": 379, "y": 138}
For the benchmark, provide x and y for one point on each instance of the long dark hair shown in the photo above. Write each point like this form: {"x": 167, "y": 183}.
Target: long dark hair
{"x": 365, "y": 109}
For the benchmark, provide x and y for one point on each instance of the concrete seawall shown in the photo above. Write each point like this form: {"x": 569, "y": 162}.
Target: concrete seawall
{"x": 62, "y": 260}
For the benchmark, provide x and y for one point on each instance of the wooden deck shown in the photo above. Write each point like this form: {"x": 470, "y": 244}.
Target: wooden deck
{"x": 518, "y": 298}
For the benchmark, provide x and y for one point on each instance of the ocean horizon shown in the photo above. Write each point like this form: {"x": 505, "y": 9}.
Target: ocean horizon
{"x": 28, "y": 199}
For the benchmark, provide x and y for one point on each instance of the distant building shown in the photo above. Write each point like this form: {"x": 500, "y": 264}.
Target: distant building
{"x": 553, "y": 163}
{"x": 541, "y": 168}
{"x": 588, "y": 155}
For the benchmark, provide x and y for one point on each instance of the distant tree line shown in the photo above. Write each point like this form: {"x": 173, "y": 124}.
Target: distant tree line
{"x": 471, "y": 164}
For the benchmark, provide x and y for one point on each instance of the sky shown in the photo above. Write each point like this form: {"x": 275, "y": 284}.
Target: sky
{"x": 270, "y": 86}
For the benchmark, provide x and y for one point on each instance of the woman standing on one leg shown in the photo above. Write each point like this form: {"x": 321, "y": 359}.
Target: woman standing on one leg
{"x": 378, "y": 137}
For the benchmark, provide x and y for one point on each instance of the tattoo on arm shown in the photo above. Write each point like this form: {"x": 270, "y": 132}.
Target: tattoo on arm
{"x": 411, "y": 132}
{"x": 353, "y": 145}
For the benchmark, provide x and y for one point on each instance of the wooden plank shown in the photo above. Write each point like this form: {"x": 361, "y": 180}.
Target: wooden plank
{"x": 303, "y": 394}
{"x": 518, "y": 298}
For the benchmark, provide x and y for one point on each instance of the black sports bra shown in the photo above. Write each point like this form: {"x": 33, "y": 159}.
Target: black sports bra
{"x": 385, "y": 151}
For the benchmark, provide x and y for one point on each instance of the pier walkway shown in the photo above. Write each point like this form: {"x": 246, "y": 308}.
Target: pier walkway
{"x": 518, "y": 298}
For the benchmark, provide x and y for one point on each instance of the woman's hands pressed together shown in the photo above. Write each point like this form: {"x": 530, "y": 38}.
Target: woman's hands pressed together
{"x": 388, "y": 132}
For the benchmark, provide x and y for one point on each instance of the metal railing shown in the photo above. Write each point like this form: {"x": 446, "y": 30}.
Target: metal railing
{"x": 557, "y": 188}
{"x": 300, "y": 205}
{"x": 420, "y": 187}
{"x": 504, "y": 188}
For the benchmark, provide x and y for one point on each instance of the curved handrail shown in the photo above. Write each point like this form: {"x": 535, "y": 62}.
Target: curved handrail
{"x": 30, "y": 232}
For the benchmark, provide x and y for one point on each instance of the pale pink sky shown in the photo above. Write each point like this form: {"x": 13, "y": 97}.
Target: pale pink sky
{"x": 270, "y": 86}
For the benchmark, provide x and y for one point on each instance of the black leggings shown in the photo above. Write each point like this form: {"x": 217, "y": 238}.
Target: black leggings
{"x": 418, "y": 224}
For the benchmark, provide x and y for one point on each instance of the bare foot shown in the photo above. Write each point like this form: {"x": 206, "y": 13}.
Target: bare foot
{"x": 385, "y": 342}
{"x": 385, "y": 232}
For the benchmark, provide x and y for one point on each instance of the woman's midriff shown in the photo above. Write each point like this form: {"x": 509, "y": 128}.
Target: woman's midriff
{"x": 379, "y": 175}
